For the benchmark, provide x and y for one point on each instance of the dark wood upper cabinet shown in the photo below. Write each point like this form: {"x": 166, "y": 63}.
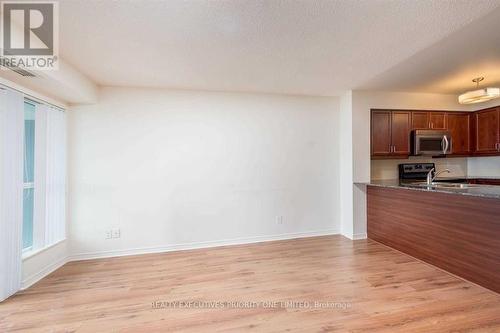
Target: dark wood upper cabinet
{"x": 459, "y": 125}
{"x": 420, "y": 120}
{"x": 487, "y": 131}
{"x": 390, "y": 133}
{"x": 381, "y": 133}
{"x": 428, "y": 120}
{"x": 473, "y": 133}
{"x": 400, "y": 137}
{"x": 438, "y": 120}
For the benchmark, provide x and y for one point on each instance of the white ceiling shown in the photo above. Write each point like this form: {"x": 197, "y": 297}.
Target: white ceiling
{"x": 296, "y": 47}
{"x": 449, "y": 65}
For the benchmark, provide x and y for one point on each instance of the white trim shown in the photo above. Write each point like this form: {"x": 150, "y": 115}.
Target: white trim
{"x": 200, "y": 245}
{"x": 31, "y": 253}
{"x": 28, "y": 92}
{"x": 27, "y": 251}
{"x": 34, "y": 278}
{"x": 359, "y": 236}
{"x": 356, "y": 236}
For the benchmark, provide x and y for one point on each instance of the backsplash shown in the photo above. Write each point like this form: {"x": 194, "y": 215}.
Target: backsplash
{"x": 388, "y": 169}
{"x": 484, "y": 166}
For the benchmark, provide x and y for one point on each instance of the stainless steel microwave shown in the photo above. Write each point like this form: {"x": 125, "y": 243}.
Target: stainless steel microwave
{"x": 431, "y": 142}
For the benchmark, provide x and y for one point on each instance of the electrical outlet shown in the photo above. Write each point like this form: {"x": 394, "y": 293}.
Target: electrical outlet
{"x": 115, "y": 233}
{"x": 279, "y": 219}
{"x": 112, "y": 233}
{"x": 108, "y": 234}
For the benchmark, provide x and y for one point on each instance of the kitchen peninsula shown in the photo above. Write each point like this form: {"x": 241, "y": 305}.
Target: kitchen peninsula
{"x": 456, "y": 228}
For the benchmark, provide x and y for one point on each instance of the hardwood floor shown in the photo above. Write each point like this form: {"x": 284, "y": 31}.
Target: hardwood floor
{"x": 370, "y": 287}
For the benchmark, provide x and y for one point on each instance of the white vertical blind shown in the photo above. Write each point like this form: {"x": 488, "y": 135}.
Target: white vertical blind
{"x": 39, "y": 207}
{"x": 50, "y": 176}
{"x": 55, "y": 225}
{"x": 11, "y": 190}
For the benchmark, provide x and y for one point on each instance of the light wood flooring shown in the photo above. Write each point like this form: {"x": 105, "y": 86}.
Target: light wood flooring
{"x": 371, "y": 288}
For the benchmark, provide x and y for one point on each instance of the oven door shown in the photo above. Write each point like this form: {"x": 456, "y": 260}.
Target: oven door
{"x": 432, "y": 144}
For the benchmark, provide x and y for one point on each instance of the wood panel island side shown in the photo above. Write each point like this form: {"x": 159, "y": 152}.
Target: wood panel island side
{"x": 455, "y": 232}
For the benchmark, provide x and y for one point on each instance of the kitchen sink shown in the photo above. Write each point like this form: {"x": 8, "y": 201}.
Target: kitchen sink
{"x": 444, "y": 185}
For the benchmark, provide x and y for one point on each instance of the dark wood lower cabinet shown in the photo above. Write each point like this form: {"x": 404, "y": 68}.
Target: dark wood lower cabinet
{"x": 460, "y": 234}
{"x": 485, "y": 181}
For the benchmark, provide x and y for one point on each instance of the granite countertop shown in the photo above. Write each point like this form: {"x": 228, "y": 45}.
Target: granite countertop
{"x": 467, "y": 177}
{"x": 486, "y": 191}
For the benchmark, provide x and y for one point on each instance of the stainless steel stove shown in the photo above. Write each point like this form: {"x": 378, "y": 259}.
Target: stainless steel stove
{"x": 414, "y": 172}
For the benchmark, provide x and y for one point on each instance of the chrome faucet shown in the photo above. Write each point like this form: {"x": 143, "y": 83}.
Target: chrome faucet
{"x": 431, "y": 178}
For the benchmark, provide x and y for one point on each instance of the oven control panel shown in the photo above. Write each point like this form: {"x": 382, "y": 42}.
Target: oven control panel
{"x": 415, "y": 171}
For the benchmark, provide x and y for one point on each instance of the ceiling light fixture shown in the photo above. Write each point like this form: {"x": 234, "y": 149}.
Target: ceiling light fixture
{"x": 479, "y": 95}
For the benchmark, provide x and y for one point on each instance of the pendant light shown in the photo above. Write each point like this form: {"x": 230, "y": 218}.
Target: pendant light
{"x": 479, "y": 95}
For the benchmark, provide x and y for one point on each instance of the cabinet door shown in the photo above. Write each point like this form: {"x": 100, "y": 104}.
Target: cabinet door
{"x": 381, "y": 133}
{"x": 420, "y": 120}
{"x": 400, "y": 128}
{"x": 487, "y": 131}
{"x": 458, "y": 125}
{"x": 437, "y": 120}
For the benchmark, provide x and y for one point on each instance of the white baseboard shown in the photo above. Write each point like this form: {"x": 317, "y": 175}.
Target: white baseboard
{"x": 356, "y": 236}
{"x": 31, "y": 280}
{"x": 200, "y": 245}
{"x": 26, "y": 283}
{"x": 359, "y": 236}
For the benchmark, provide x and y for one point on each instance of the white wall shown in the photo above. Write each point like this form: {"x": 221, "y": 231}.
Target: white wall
{"x": 345, "y": 160}
{"x": 176, "y": 169}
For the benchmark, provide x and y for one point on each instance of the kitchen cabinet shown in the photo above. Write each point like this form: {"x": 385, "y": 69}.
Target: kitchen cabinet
{"x": 459, "y": 126}
{"x": 473, "y": 133}
{"x": 381, "y": 133}
{"x": 428, "y": 120}
{"x": 420, "y": 120}
{"x": 487, "y": 132}
{"x": 390, "y": 133}
{"x": 438, "y": 120}
{"x": 400, "y": 127}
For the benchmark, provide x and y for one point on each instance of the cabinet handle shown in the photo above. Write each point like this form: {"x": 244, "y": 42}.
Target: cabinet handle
{"x": 394, "y": 148}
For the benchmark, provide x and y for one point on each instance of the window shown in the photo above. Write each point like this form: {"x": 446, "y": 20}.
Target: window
{"x": 29, "y": 173}
{"x": 44, "y": 177}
